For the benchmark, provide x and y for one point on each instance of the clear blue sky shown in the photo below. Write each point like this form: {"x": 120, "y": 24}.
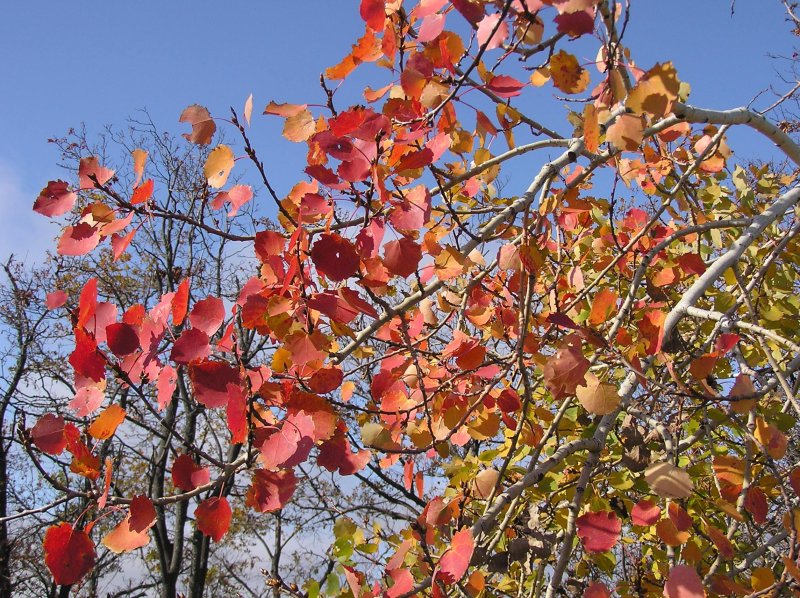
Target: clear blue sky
{"x": 98, "y": 62}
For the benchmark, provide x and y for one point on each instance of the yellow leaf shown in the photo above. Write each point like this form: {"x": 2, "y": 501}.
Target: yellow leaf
{"x": 655, "y": 92}
{"x": 567, "y": 74}
{"x": 772, "y": 438}
{"x": 597, "y": 398}
{"x": 299, "y": 127}
{"x": 218, "y": 165}
{"x": 540, "y": 77}
{"x": 761, "y": 578}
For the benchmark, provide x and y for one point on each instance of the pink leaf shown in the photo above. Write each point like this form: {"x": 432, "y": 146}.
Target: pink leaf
{"x": 645, "y": 512}
{"x": 432, "y": 25}
{"x": 684, "y": 582}
{"x": 487, "y": 26}
{"x": 453, "y": 565}
{"x": 207, "y": 315}
{"x": 55, "y": 199}
{"x": 90, "y": 169}
{"x": 56, "y": 299}
{"x": 78, "y": 240}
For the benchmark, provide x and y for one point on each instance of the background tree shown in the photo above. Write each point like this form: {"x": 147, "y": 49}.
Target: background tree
{"x": 517, "y": 381}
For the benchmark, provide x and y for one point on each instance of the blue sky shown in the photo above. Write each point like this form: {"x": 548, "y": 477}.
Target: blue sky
{"x": 99, "y": 62}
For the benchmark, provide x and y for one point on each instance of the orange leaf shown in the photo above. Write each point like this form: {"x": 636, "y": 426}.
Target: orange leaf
{"x": 591, "y": 128}
{"x": 107, "y": 422}
{"x": 123, "y": 539}
{"x": 139, "y": 158}
{"x": 604, "y": 304}
{"x": 626, "y": 133}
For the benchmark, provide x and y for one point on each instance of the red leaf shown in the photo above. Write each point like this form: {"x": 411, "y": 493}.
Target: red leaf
{"x": 210, "y": 380}
{"x": 269, "y": 243}
{"x": 402, "y": 257}
{"x": 192, "y": 345}
{"x": 207, "y": 315}
{"x": 335, "y": 257}
{"x": 122, "y": 339}
{"x": 85, "y": 359}
{"x": 403, "y": 582}
{"x": 142, "y": 193}
{"x": 794, "y": 480}
{"x": 56, "y": 299}
{"x": 335, "y": 454}
{"x": 55, "y": 199}
{"x": 680, "y": 518}
{"x": 374, "y": 13}
{"x": 78, "y": 239}
{"x": 236, "y": 413}
{"x": 188, "y": 475}
{"x": 645, "y": 512}
{"x": 143, "y": 514}
{"x": 119, "y": 243}
{"x": 596, "y": 589}
{"x": 271, "y": 490}
{"x": 577, "y": 23}
{"x": 599, "y": 531}
{"x": 213, "y": 517}
{"x": 180, "y": 302}
{"x": 68, "y": 553}
{"x": 471, "y": 10}
{"x": 453, "y": 564}
{"x": 414, "y": 160}
{"x": 755, "y": 501}
{"x": 505, "y": 86}
{"x": 48, "y": 434}
{"x": 87, "y": 303}
{"x": 684, "y": 582}
{"x": 326, "y": 380}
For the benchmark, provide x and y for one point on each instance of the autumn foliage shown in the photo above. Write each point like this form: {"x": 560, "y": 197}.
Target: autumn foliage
{"x": 574, "y": 345}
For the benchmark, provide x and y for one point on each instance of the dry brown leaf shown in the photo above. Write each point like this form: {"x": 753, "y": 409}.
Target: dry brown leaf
{"x": 668, "y": 481}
